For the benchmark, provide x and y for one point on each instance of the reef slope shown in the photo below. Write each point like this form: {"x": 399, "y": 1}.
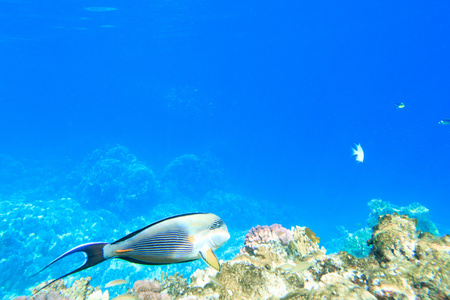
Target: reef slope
{"x": 278, "y": 263}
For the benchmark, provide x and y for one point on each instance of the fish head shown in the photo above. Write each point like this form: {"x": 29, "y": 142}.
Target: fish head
{"x": 217, "y": 233}
{"x": 218, "y": 236}
{"x": 214, "y": 233}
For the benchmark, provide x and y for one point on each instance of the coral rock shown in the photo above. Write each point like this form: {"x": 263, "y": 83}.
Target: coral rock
{"x": 80, "y": 290}
{"x": 334, "y": 286}
{"x": 394, "y": 238}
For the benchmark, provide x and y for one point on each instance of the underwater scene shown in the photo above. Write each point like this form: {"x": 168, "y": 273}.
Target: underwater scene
{"x": 236, "y": 150}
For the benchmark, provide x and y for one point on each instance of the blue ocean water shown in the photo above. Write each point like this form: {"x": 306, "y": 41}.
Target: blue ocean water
{"x": 114, "y": 115}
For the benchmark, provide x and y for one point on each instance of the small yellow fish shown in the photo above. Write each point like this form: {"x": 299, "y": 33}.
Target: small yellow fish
{"x": 444, "y": 122}
{"x": 115, "y": 283}
{"x": 125, "y": 297}
{"x": 400, "y": 105}
{"x": 312, "y": 235}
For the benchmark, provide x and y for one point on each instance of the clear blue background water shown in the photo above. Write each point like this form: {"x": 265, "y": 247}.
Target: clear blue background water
{"x": 278, "y": 92}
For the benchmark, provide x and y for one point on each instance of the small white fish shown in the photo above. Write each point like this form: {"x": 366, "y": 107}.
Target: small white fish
{"x": 216, "y": 281}
{"x": 301, "y": 267}
{"x": 285, "y": 267}
{"x": 115, "y": 283}
{"x": 358, "y": 152}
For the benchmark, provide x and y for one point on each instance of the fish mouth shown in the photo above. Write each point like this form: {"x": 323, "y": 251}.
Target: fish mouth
{"x": 216, "y": 240}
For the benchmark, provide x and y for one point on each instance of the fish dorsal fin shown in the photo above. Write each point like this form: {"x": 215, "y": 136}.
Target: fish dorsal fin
{"x": 210, "y": 258}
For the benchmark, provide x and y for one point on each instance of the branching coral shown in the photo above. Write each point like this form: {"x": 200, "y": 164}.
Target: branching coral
{"x": 301, "y": 245}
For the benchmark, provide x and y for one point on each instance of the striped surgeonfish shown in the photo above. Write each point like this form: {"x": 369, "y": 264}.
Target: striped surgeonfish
{"x": 176, "y": 239}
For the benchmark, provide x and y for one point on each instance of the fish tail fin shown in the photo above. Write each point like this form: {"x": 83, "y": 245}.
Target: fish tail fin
{"x": 94, "y": 252}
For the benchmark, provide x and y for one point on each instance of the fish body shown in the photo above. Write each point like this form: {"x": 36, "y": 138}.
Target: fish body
{"x": 173, "y": 240}
{"x": 444, "y": 122}
{"x": 358, "y": 152}
{"x": 176, "y": 239}
{"x": 125, "y": 297}
{"x": 285, "y": 267}
{"x": 301, "y": 267}
{"x": 216, "y": 281}
{"x": 115, "y": 283}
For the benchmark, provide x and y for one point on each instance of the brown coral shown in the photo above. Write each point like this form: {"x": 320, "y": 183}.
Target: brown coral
{"x": 394, "y": 238}
{"x": 146, "y": 285}
{"x": 149, "y": 290}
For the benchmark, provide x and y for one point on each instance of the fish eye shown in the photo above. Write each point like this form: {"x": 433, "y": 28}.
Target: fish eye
{"x": 216, "y": 224}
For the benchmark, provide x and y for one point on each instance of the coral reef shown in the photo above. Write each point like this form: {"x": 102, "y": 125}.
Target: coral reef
{"x": 149, "y": 290}
{"x": 174, "y": 284}
{"x": 80, "y": 290}
{"x": 355, "y": 242}
{"x": 276, "y": 243}
{"x": 415, "y": 210}
{"x": 114, "y": 179}
{"x": 280, "y": 263}
{"x": 168, "y": 288}
{"x": 403, "y": 264}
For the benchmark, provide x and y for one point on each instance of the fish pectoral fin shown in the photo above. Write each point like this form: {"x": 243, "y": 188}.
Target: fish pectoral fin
{"x": 124, "y": 250}
{"x": 210, "y": 258}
